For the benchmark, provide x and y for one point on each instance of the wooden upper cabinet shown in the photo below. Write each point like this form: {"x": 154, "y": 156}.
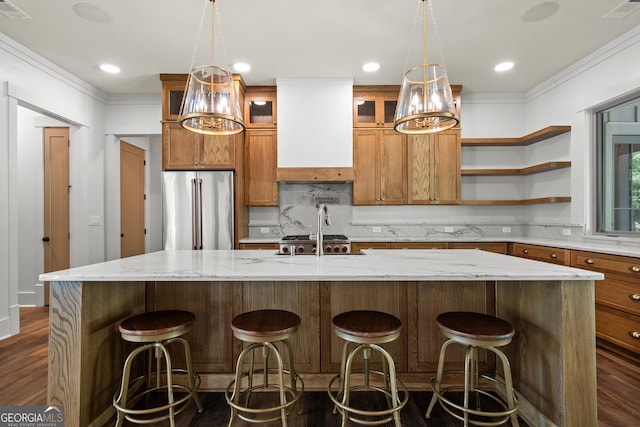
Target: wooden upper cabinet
{"x": 173, "y": 86}
{"x": 434, "y": 168}
{"x": 375, "y": 107}
{"x": 217, "y": 151}
{"x": 179, "y": 147}
{"x": 186, "y": 150}
{"x": 261, "y": 160}
{"x": 183, "y": 149}
{"x": 260, "y": 107}
{"x": 380, "y": 167}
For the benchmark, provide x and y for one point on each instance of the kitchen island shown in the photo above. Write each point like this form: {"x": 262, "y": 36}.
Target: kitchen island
{"x": 551, "y": 307}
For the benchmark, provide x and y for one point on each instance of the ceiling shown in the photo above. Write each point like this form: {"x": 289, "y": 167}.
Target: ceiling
{"x": 316, "y": 39}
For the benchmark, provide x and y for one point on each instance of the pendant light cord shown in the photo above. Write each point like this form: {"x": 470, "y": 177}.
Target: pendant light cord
{"x": 416, "y": 18}
{"x": 195, "y": 48}
{"x": 437, "y": 34}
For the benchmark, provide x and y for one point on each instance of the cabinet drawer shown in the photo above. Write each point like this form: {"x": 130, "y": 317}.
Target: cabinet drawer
{"x": 626, "y": 266}
{"x": 418, "y": 245}
{"x": 619, "y": 294}
{"x": 358, "y": 246}
{"x": 497, "y": 247}
{"x": 618, "y": 328}
{"x": 541, "y": 253}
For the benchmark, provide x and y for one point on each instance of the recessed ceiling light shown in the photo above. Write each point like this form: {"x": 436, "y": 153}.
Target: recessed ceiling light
{"x": 241, "y": 67}
{"x": 370, "y": 67}
{"x": 541, "y": 11}
{"x": 91, "y": 13}
{"x": 109, "y": 68}
{"x": 503, "y": 66}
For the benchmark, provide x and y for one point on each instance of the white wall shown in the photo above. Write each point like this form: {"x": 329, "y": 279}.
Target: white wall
{"x": 32, "y": 82}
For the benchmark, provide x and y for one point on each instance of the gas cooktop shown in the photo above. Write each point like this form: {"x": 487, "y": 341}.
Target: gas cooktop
{"x": 301, "y": 244}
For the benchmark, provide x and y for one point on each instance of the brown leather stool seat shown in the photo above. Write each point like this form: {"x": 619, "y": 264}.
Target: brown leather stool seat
{"x": 263, "y": 329}
{"x": 156, "y": 330}
{"x": 366, "y": 331}
{"x": 475, "y": 330}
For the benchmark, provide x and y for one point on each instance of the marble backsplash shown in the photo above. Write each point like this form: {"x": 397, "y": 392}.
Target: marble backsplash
{"x": 297, "y": 214}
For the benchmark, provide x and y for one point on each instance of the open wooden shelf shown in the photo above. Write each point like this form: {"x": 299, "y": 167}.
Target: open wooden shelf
{"x": 541, "y": 135}
{"x": 537, "y": 201}
{"x": 542, "y": 167}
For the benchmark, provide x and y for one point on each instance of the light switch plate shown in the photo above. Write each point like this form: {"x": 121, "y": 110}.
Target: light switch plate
{"x": 448, "y": 229}
{"x": 376, "y": 229}
{"x": 264, "y": 230}
{"x": 506, "y": 229}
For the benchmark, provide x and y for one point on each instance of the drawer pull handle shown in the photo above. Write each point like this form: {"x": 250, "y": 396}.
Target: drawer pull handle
{"x": 634, "y": 269}
{"x": 588, "y": 261}
{"x": 554, "y": 256}
{"x": 635, "y": 334}
{"x": 634, "y": 297}
{"x": 525, "y": 251}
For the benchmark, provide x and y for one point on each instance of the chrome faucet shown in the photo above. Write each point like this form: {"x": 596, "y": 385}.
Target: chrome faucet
{"x": 323, "y": 218}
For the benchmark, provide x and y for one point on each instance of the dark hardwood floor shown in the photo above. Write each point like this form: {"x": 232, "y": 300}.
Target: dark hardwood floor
{"x": 23, "y": 382}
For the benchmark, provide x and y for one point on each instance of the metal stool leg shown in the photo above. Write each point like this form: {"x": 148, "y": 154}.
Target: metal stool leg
{"x": 190, "y": 372}
{"x": 438, "y": 381}
{"x": 395, "y": 400}
{"x": 508, "y": 382}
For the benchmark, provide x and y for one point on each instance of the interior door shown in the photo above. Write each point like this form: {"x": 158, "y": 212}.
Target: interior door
{"x": 131, "y": 200}
{"x": 56, "y": 202}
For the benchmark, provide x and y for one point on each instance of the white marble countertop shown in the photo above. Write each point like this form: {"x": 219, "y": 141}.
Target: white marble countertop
{"x": 257, "y": 265}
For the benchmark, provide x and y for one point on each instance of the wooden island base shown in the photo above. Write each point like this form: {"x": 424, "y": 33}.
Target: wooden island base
{"x": 552, "y": 354}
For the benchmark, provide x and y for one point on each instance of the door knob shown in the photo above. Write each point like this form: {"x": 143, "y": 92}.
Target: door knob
{"x": 45, "y": 239}
{"x": 121, "y": 234}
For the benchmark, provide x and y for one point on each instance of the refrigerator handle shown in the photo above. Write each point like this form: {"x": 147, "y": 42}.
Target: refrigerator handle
{"x": 194, "y": 210}
{"x": 199, "y": 214}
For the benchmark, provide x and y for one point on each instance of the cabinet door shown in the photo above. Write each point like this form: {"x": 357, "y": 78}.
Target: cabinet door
{"x": 217, "y": 151}
{"x": 434, "y": 169}
{"x": 173, "y": 87}
{"x": 261, "y": 164}
{"x": 387, "y": 109}
{"x": 446, "y": 167}
{"x": 374, "y": 110}
{"x": 392, "y": 166}
{"x": 179, "y": 147}
{"x": 366, "y": 182}
{"x": 260, "y": 109}
{"x": 364, "y": 111}
{"x": 419, "y": 169}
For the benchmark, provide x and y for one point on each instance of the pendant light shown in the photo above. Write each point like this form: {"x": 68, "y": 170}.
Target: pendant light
{"x": 425, "y": 104}
{"x": 210, "y": 103}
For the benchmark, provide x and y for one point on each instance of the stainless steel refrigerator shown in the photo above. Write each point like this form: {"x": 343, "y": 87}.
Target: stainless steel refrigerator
{"x": 198, "y": 210}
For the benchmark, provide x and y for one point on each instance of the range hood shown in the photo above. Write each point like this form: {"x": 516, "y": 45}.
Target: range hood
{"x": 315, "y": 130}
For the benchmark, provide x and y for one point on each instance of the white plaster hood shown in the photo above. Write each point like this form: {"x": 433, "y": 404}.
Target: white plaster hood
{"x": 315, "y": 124}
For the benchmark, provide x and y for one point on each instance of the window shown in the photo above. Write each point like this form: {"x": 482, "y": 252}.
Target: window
{"x": 618, "y": 164}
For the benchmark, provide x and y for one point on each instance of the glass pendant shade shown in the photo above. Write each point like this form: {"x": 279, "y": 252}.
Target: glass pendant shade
{"x": 210, "y": 104}
{"x": 426, "y": 103}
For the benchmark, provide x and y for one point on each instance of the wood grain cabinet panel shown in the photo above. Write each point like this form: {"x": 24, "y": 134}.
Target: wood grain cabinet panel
{"x": 426, "y": 300}
{"x": 261, "y": 157}
{"x": 338, "y": 297}
{"x": 434, "y": 168}
{"x": 380, "y": 167}
{"x": 211, "y": 337}
{"x": 302, "y": 298}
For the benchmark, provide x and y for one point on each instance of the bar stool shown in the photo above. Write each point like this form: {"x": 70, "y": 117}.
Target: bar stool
{"x": 156, "y": 330}
{"x": 475, "y": 330}
{"x": 262, "y": 329}
{"x": 367, "y": 330}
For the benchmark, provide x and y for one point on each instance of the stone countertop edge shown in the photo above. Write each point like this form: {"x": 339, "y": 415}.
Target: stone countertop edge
{"x": 564, "y": 244}
{"x": 374, "y": 265}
